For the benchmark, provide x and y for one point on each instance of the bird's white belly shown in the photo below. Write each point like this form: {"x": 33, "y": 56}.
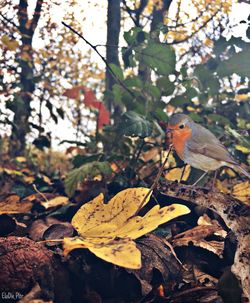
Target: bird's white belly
{"x": 202, "y": 162}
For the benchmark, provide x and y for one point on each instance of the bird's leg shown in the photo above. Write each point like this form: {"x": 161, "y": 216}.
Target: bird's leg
{"x": 191, "y": 187}
{"x": 200, "y": 178}
{"x": 182, "y": 173}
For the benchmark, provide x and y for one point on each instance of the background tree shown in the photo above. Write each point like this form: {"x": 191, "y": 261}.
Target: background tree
{"x": 39, "y": 60}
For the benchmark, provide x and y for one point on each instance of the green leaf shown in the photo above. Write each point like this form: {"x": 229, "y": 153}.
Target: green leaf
{"x": 219, "y": 119}
{"x": 166, "y": 86}
{"x": 196, "y": 117}
{"x": 152, "y": 90}
{"x": 133, "y": 82}
{"x": 208, "y": 81}
{"x": 88, "y": 170}
{"x": 179, "y": 101}
{"x": 191, "y": 92}
{"x": 238, "y": 63}
{"x": 117, "y": 71}
{"x": 161, "y": 58}
{"x": 160, "y": 114}
{"x": 80, "y": 160}
{"x": 130, "y": 36}
{"x": 135, "y": 125}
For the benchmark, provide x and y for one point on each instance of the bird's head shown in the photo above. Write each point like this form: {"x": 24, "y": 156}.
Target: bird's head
{"x": 180, "y": 125}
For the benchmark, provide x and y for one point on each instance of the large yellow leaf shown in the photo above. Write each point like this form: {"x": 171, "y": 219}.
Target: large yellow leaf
{"x": 122, "y": 252}
{"x": 139, "y": 226}
{"x": 119, "y": 209}
{"x": 107, "y": 230}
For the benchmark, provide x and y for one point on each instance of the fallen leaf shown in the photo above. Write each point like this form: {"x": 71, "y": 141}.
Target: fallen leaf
{"x": 121, "y": 252}
{"x": 243, "y": 149}
{"x": 57, "y": 201}
{"x": 108, "y": 229}
{"x": 38, "y": 227}
{"x": 12, "y": 204}
{"x": 221, "y": 187}
{"x": 205, "y": 220}
{"x": 196, "y": 236}
{"x": 29, "y": 179}
{"x": 21, "y": 159}
{"x": 58, "y": 231}
{"x": 156, "y": 256}
{"x": 10, "y": 171}
{"x": 241, "y": 191}
{"x": 175, "y": 174}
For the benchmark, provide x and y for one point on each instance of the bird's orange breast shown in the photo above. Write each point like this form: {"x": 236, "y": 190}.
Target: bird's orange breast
{"x": 179, "y": 140}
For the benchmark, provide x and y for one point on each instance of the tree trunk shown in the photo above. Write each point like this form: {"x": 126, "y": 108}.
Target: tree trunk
{"x": 158, "y": 17}
{"x": 113, "y": 32}
{"x": 21, "y": 103}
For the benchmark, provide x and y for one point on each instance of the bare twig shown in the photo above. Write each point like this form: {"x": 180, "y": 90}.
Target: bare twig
{"x": 153, "y": 186}
{"x": 195, "y": 32}
{"x": 94, "y": 47}
{"x": 9, "y": 21}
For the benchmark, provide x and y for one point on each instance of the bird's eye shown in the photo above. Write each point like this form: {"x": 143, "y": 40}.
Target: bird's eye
{"x": 182, "y": 126}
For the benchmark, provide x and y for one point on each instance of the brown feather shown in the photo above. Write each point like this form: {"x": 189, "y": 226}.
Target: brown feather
{"x": 204, "y": 142}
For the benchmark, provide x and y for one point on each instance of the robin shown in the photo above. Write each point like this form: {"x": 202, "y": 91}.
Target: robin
{"x": 198, "y": 147}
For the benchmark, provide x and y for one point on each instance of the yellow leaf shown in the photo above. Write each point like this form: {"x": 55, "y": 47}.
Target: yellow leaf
{"x": 241, "y": 191}
{"x": 230, "y": 172}
{"x": 29, "y": 179}
{"x": 208, "y": 42}
{"x": 136, "y": 227}
{"x": 122, "y": 252}
{"x": 221, "y": 187}
{"x": 175, "y": 174}
{"x": 21, "y": 159}
{"x": 10, "y": 44}
{"x": 108, "y": 229}
{"x": 57, "y": 201}
{"x": 243, "y": 149}
{"x": 241, "y": 97}
{"x": 10, "y": 171}
{"x": 121, "y": 207}
{"x": 47, "y": 180}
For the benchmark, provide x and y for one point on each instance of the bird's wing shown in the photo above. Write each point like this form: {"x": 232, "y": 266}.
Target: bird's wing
{"x": 204, "y": 142}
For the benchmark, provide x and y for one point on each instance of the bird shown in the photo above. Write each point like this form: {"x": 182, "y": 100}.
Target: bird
{"x": 199, "y": 147}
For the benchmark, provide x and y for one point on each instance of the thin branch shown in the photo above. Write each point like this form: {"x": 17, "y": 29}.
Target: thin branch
{"x": 135, "y": 14}
{"x": 153, "y": 186}
{"x": 129, "y": 11}
{"x": 10, "y": 21}
{"x": 94, "y": 47}
{"x": 195, "y": 32}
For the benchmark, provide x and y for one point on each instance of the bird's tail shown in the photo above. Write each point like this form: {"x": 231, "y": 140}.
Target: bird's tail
{"x": 242, "y": 170}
